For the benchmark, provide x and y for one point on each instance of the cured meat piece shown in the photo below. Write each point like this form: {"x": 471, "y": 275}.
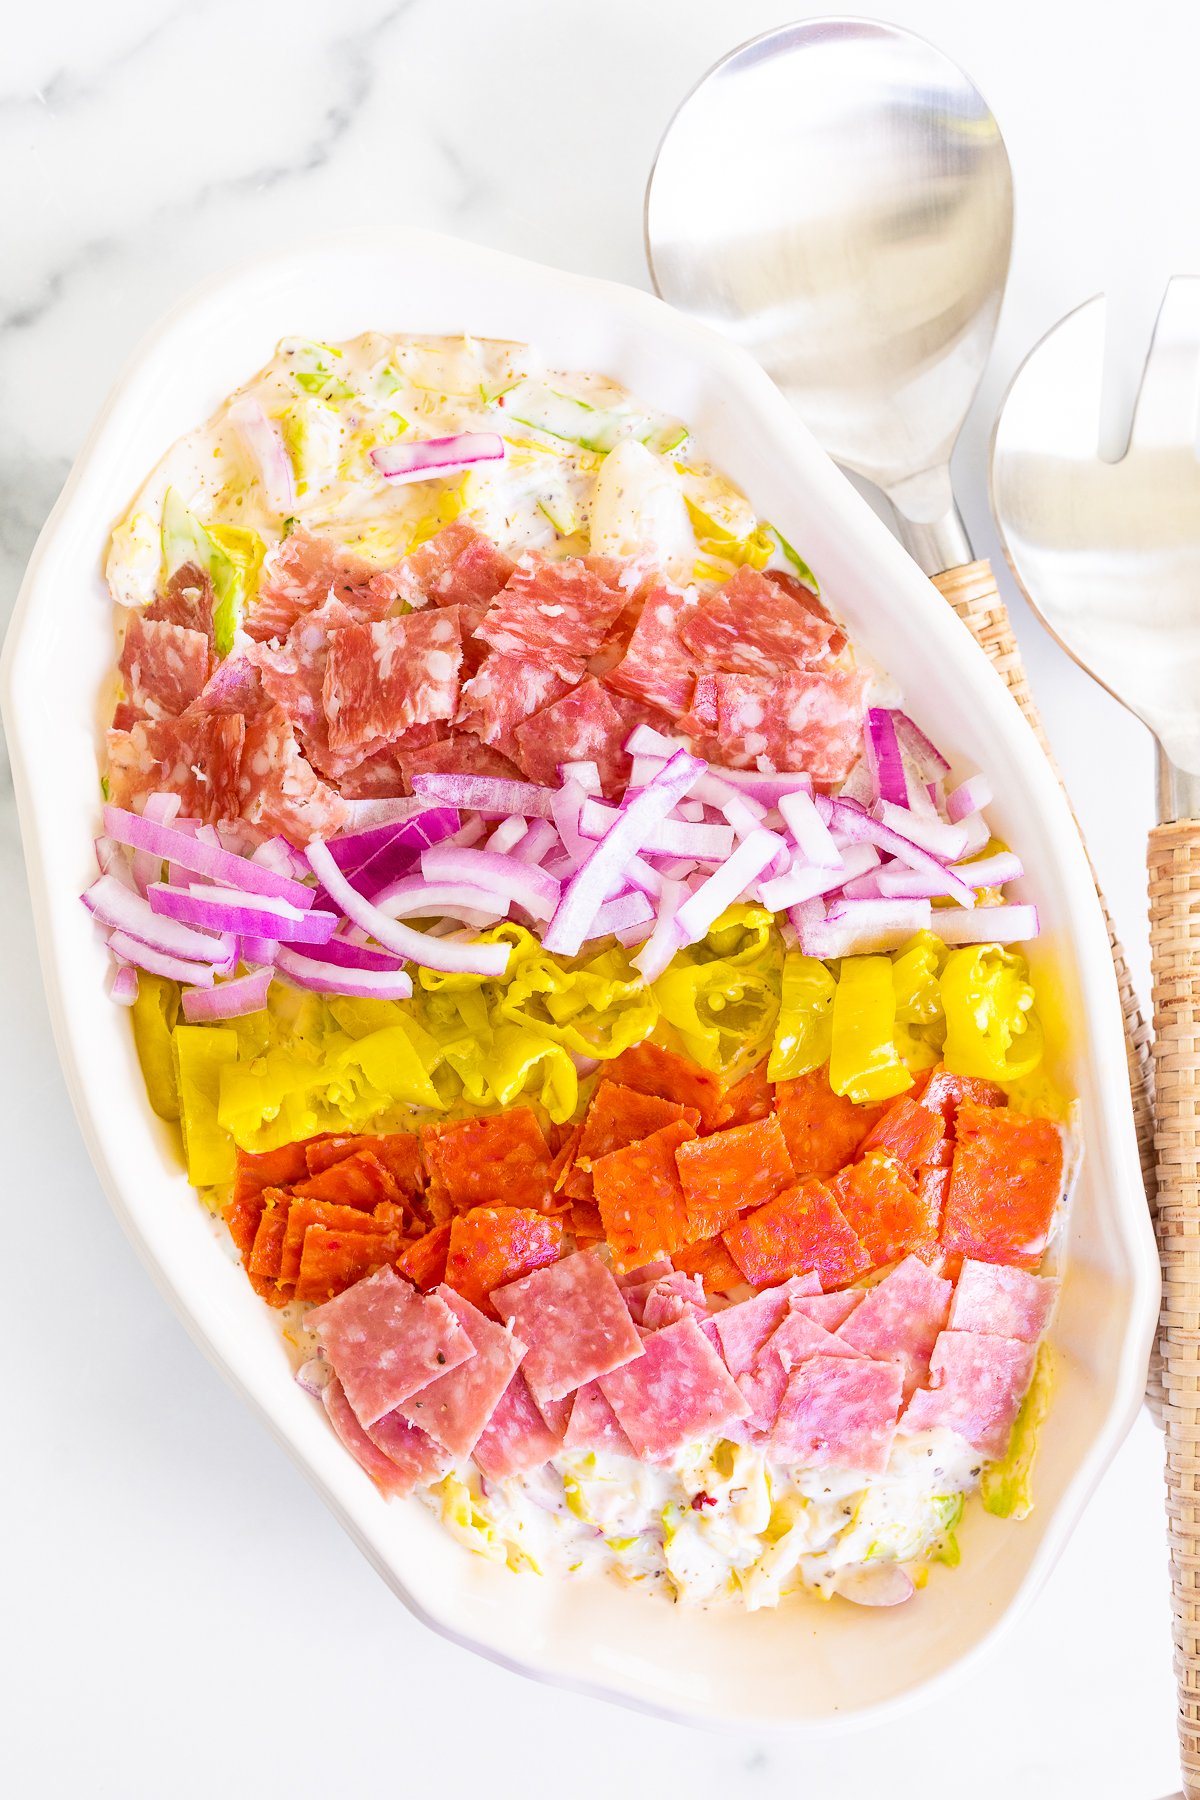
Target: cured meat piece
{"x": 803, "y": 1230}
{"x": 910, "y": 1131}
{"x": 458, "y": 754}
{"x": 823, "y": 1130}
{"x": 266, "y": 1255}
{"x": 516, "y": 1438}
{"x": 674, "y": 1296}
{"x": 742, "y": 1330}
{"x": 713, "y": 1263}
{"x": 618, "y": 1116}
{"x": 583, "y": 726}
{"x": 753, "y": 1097}
{"x": 502, "y": 1160}
{"x": 752, "y": 626}
{"x": 794, "y": 1340}
{"x": 798, "y": 591}
{"x": 1003, "y": 1302}
{"x": 838, "y": 1412}
{"x": 490, "y": 1246}
{"x": 594, "y": 1425}
{"x": 399, "y": 1153}
{"x": 657, "y": 666}
{"x": 198, "y": 756}
{"x": 829, "y": 1310}
{"x": 976, "y": 1387}
{"x": 1005, "y": 1182}
{"x": 810, "y": 721}
{"x": 384, "y": 678}
{"x": 943, "y": 1093}
{"x": 640, "y": 1197}
{"x": 701, "y": 718}
{"x": 648, "y": 1272}
{"x": 387, "y": 1341}
{"x": 303, "y": 572}
{"x": 899, "y": 1320}
{"x": 418, "y": 1458}
{"x": 454, "y": 1409}
{"x": 883, "y": 1204}
{"x": 303, "y": 1213}
{"x": 333, "y": 1260}
{"x": 475, "y": 652}
{"x": 584, "y": 1222}
{"x": 164, "y": 666}
{"x": 744, "y": 1165}
{"x": 677, "y": 1391}
{"x": 554, "y": 1412}
{"x": 293, "y": 676}
{"x": 507, "y": 689}
{"x": 650, "y": 1069}
{"x": 187, "y": 600}
{"x": 234, "y": 686}
{"x": 381, "y": 776}
{"x": 256, "y": 1170}
{"x": 573, "y": 1321}
{"x": 392, "y": 1472}
{"x": 558, "y": 608}
{"x": 279, "y": 794}
{"x": 358, "y": 1180}
{"x": 424, "y": 1260}
{"x": 457, "y": 566}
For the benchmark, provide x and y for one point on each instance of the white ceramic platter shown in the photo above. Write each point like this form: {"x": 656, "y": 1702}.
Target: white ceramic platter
{"x": 810, "y": 1664}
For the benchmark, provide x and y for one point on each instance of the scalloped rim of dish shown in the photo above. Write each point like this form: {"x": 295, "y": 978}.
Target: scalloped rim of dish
{"x": 618, "y": 1647}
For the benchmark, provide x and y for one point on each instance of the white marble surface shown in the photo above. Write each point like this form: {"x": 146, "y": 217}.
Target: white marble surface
{"x": 180, "y": 1616}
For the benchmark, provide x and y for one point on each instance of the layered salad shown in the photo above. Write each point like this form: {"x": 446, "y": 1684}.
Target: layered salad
{"x": 593, "y": 1007}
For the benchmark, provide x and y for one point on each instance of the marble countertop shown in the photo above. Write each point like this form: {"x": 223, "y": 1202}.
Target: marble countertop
{"x": 181, "y": 1615}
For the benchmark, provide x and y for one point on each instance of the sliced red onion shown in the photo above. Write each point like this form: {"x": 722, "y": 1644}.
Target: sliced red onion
{"x": 913, "y": 739}
{"x": 991, "y": 871}
{"x": 866, "y": 887}
{"x": 659, "y": 948}
{"x": 416, "y": 946}
{"x": 670, "y": 837}
{"x": 971, "y": 795}
{"x": 507, "y": 836}
{"x": 217, "y": 909}
{"x": 863, "y": 927}
{"x": 800, "y": 884}
{"x": 642, "y": 875}
{"x": 332, "y": 978}
{"x": 859, "y": 785}
{"x": 744, "y": 814}
{"x": 644, "y": 769}
{"x": 113, "y": 859}
{"x": 898, "y": 882}
{"x": 694, "y": 811}
{"x": 314, "y": 1375}
{"x": 158, "y": 962}
{"x": 347, "y": 955}
{"x": 257, "y": 949}
{"x": 853, "y": 823}
{"x": 192, "y": 853}
{"x": 882, "y": 754}
{"x": 978, "y": 833}
{"x": 231, "y": 1000}
{"x": 277, "y": 854}
{"x": 643, "y": 740}
{"x": 265, "y": 444}
{"x": 627, "y": 912}
{"x": 635, "y": 822}
{"x": 1007, "y": 924}
{"x": 124, "y": 989}
{"x": 755, "y": 853}
{"x": 374, "y": 859}
{"x": 875, "y": 1584}
{"x": 486, "y": 794}
{"x": 585, "y": 773}
{"x": 427, "y": 457}
{"x": 365, "y": 815}
{"x": 118, "y": 906}
{"x": 810, "y": 833}
{"x": 161, "y": 809}
{"x": 933, "y": 834}
{"x": 530, "y": 887}
{"x": 539, "y": 839}
{"x": 414, "y": 897}
{"x": 568, "y": 804}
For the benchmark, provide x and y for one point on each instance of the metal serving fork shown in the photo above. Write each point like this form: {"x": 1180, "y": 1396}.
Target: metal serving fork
{"x": 1108, "y": 554}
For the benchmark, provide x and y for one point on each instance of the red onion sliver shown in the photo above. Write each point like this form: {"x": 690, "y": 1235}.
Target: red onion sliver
{"x": 416, "y": 946}
{"x": 267, "y": 451}
{"x": 629, "y": 912}
{"x": 978, "y": 832}
{"x": 585, "y": 773}
{"x": 752, "y": 856}
{"x": 327, "y": 978}
{"x": 805, "y": 883}
{"x": 862, "y": 927}
{"x": 852, "y": 822}
{"x": 659, "y": 948}
{"x": 811, "y": 834}
{"x": 257, "y": 949}
{"x": 527, "y": 885}
{"x": 204, "y": 859}
{"x": 670, "y": 837}
{"x": 882, "y": 755}
{"x": 486, "y": 794}
{"x": 412, "y": 897}
{"x": 219, "y": 909}
{"x": 930, "y": 833}
{"x": 156, "y": 962}
{"x": 427, "y": 457}
{"x": 970, "y": 796}
{"x": 116, "y": 905}
{"x": 229, "y": 1000}
{"x": 537, "y": 843}
{"x": 913, "y": 740}
{"x": 987, "y": 924}
{"x": 124, "y": 989}
{"x": 991, "y": 871}
{"x": 507, "y": 836}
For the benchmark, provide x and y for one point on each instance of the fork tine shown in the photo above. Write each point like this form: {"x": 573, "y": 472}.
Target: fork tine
{"x": 1168, "y": 402}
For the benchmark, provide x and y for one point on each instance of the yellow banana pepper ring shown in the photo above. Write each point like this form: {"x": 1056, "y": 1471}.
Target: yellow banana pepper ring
{"x": 804, "y": 1029}
{"x": 723, "y": 1014}
{"x": 864, "y": 1061}
{"x": 991, "y": 1028}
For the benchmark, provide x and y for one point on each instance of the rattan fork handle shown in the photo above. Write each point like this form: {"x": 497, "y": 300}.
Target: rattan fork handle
{"x": 1174, "y": 861}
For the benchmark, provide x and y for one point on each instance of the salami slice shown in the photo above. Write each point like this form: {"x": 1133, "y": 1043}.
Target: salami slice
{"x": 810, "y": 721}
{"x": 884, "y": 1205}
{"x": 794, "y": 1340}
{"x": 573, "y": 1321}
{"x": 382, "y": 679}
{"x": 293, "y": 676}
{"x": 493, "y": 1245}
{"x": 1005, "y": 1182}
{"x": 459, "y": 566}
{"x": 583, "y": 726}
{"x": 386, "y": 1341}
{"x": 455, "y": 1407}
{"x": 1003, "y": 1302}
{"x": 302, "y": 572}
{"x": 458, "y": 754}
{"x": 823, "y": 1130}
{"x": 333, "y": 1259}
{"x": 499, "y": 1161}
{"x": 406, "y": 1464}
{"x": 899, "y": 1320}
{"x": 677, "y": 1391}
{"x": 803, "y": 1230}
{"x": 164, "y": 666}
{"x": 674, "y": 1296}
{"x": 641, "y": 1200}
{"x": 750, "y": 625}
{"x": 509, "y": 688}
{"x": 198, "y": 756}
{"x": 657, "y": 666}
{"x": 516, "y": 1438}
{"x": 594, "y": 1425}
{"x": 279, "y": 793}
{"x": 829, "y": 1310}
{"x": 977, "y": 1384}
{"x": 838, "y": 1412}
{"x": 722, "y": 1174}
{"x": 561, "y": 607}
{"x": 187, "y": 600}
{"x": 419, "y": 1459}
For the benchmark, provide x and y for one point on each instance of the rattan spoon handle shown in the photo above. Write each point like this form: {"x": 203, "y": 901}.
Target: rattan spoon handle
{"x": 1175, "y": 956}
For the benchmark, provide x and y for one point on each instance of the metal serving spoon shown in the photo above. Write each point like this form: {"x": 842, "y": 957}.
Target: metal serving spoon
{"x": 1108, "y": 554}
{"x": 836, "y": 196}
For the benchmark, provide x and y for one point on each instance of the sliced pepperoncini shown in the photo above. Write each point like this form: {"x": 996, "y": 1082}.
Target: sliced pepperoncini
{"x": 864, "y": 1062}
{"x": 991, "y": 1028}
{"x": 804, "y": 1029}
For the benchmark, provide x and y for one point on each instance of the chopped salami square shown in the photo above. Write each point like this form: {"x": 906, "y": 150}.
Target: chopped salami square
{"x": 508, "y": 688}
{"x": 386, "y": 1341}
{"x": 794, "y": 1340}
{"x": 838, "y": 1412}
{"x": 187, "y": 600}
{"x": 743, "y": 1329}
{"x": 492, "y": 1245}
{"x": 1003, "y": 1302}
{"x": 303, "y": 572}
{"x": 554, "y": 1412}
{"x": 802, "y": 1230}
{"x": 502, "y": 1160}
{"x": 885, "y": 1206}
{"x": 977, "y": 1384}
{"x": 899, "y": 1320}
{"x": 459, "y": 566}
{"x": 823, "y": 1129}
{"x": 584, "y": 726}
{"x": 641, "y": 1199}
{"x": 198, "y": 756}
{"x": 752, "y": 626}
{"x": 573, "y": 1321}
{"x": 293, "y": 676}
{"x": 911, "y": 1132}
{"x": 649, "y": 1069}
{"x": 516, "y": 1438}
{"x": 678, "y": 1391}
{"x": 396, "y": 1457}
{"x": 1005, "y": 1182}
{"x": 594, "y": 1425}
{"x": 672, "y": 1297}
{"x": 455, "y": 1407}
{"x": 457, "y": 754}
{"x": 810, "y": 721}
{"x": 164, "y": 667}
{"x": 279, "y": 793}
{"x": 556, "y": 608}
{"x": 829, "y": 1310}
{"x": 657, "y": 666}
{"x": 728, "y": 1171}
{"x": 382, "y": 679}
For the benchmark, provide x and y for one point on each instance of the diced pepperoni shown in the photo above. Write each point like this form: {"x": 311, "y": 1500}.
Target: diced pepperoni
{"x": 823, "y": 1129}
{"x": 885, "y": 1207}
{"x": 752, "y": 626}
{"x": 573, "y": 1321}
{"x": 279, "y": 794}
{"x": 943, "y": 1093}
{"x": 164, "y": 666}
{"x": 811, "y": 721}
{"x": 502, "y": 1160}
{"x": 584, "y": 1222}
{"x": 392, "y": 1472}
{"x": 457, "y": 754}
{"x": 976, "y": 1387}
{"x": 910, "y": 1131}
{"x": 455, "y": 1407}
{"x": 713, "y": 1263}
{"x": 674, "y": 1296}
{"x": 583, "y": 726}
{"x": 493, "y": 1245}
{"x": 1003, "y": 1302}
{"x": 641, "y": 1199}
{"x": 333, "y": 1260}
{"x": 458, "y": 566}
{"x": 507, "y": 689}
{"x": 657, "y": 666}
{"x": 618, "y": 1116}
{"x": 382, "y": 679}
{"x": 1005, "y": 1183}
{"x": 386, "y": 1341}
{"x": 187, "y": 600}
{"x": 198, "y": 756}
{"x": 516, "y": 1438}
{"x": 803, "y": 1230}
{"x": 303, "y": 1213}
{"x": 557, "y": 608}
{"x": 652, "y": 1070}
{"x": 419, "y": 1460}
{"x": 256, "y": 1170}
{"x": 838, "y": 1412}
{"x": 266, "y": 1255}
{"x": 794, "y": 1340}
{"x": 594, "y": 1425}
{"x": 424, "y": 1260}
{"x": 678, "y": 1391}
{"x": 899, "y": 1320}
{"x": 744, "y": 1165}
{"x": 753, "y": 1097}
{"x": 399, "y": 1153}
{"x": 301, "y": 573}
{"x": 742, "y": 1330}
{"x": 359, "y": 1180}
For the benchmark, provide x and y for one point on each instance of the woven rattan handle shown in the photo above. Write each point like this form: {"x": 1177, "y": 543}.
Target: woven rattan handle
{"x": 1175, "y": 955}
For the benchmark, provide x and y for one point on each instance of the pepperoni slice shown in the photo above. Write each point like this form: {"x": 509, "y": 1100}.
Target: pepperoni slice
{"x": 651, "y": 1069}
{"x": 399, "y": 1153}
{"x": 557, "y": 607}
{"x": 619, "y": 1116}
{"x": 303, "y": 1213}
{"x": 501, "y": 1160}
{"x": 802, "y": 1231}
{"x": 910, "y": 1131}
{"x": 744, "y": 1165}
{"x": 823, "y": 1129}
{"x": 1005, "y": 1183}
{"x": 424, "y": 1261}
{"x": 641, "y": 1199}
{"x": 492, "y": 1245}
{"x": 891, "y": 1215}
{"x": 753, "y": 1097}
{"x": 810, "y": 721}
{"x": 333, "y": 1259}
{"x": 583, "y": 726}
{"x": 751, "y": 625}
{"x": 359, "y": 1180}
{"x": 712, "y": 1262}
{"x": 943, "y": 1093}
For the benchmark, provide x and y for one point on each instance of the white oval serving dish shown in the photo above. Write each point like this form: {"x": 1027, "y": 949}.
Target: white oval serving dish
{"x": 811, "y": 1665}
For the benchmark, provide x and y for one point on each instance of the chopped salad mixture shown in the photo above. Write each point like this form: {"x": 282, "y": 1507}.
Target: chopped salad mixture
{"x": 588, "y": 999}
